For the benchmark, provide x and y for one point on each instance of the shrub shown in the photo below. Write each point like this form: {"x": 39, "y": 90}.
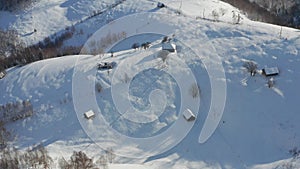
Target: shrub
{"x": 165, "y": 39}
{"x": 295, "y": 152}
{"x": 146, "y": 45}
{"x": 135, "y": 46}
{"x": 98, "y": 87}
{"x": 195, "y": 90}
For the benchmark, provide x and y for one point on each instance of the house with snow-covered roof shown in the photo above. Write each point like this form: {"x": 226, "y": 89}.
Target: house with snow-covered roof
{"x": 89, "y": 114}
{"x": 272, "y": 71}
{"x": 2, "y": 74}
{"x": 189, "y": 115}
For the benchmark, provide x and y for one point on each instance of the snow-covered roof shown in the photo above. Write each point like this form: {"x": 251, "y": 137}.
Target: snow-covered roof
{"x": 188, "y": 115}
{"x": 2, "y": 74}
{"x": 168, "y": 46}
{"x": 271, "y": 71}
{"x": 89, "y": 114}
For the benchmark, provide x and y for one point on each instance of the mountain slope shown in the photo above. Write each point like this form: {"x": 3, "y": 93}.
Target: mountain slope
{"x": 259, "y": 124}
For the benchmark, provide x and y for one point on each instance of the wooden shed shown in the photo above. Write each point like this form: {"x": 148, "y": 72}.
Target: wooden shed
{"x": 2, "y": 74}
{"x": 272, "y": 71}
{"x": 89, "y": 114}
{"x": 189, "y": 115}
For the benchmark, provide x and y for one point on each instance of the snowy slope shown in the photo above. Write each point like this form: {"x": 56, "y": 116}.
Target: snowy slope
{"x": 259, "y": 125}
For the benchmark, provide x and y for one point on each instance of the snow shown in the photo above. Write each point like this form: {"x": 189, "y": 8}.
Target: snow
{"x": 131, "y": 166}
{"x": 143, "y": 118}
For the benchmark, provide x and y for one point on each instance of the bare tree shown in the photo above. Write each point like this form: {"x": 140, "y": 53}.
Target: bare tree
{"x": 79, "y": 160}
{"x": 110, "y": 154}
{"x": 63, "y": 164}
{"x": 5, "y": 135}
{"x": 102, "y": 161}
{"x": 222, "y": 11}
{"x": 251, "y": 67}
{"x": 215, "y": 15}
{"x": 9, "y": 158}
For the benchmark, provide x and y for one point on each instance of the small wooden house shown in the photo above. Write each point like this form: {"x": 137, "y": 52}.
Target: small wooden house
{"x": 89, "y": 114}
{"x": 189, "y": 115}
{"x": 2, "y": 74}
{"x": 169, "y": 47}
{"x": 272, "y": 71}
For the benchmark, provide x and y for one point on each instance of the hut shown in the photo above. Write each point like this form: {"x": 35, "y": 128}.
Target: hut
{"x": 272, "y": 71}
{"x": 89, "y": 114}
{"x": 189, "y": 115}
{"x": 2, "y": 74}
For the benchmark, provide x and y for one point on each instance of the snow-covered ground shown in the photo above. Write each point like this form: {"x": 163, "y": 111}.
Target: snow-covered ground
{"x": 257, "y": 129}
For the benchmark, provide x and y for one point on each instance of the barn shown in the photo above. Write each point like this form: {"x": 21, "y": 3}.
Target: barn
{"x": 189, "y": 115}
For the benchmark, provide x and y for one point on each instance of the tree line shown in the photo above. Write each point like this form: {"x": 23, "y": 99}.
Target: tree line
{"x": 11, "y": 5}
{"x": 13, "y": 52}
{"x": 280, "y": 12}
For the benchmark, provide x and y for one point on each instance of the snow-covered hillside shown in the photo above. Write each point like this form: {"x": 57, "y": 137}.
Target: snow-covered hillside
{"x": 142, "y": 98}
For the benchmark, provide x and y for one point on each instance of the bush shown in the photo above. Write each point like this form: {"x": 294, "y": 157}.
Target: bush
{"x": 98, "y": 87}
{"x": 295, "y": 152}
{"x": 102, "y": 161}
{"x": 195, "y": 90}
{"x": 135, "y": 46}
{"x": 146, "y": 45}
